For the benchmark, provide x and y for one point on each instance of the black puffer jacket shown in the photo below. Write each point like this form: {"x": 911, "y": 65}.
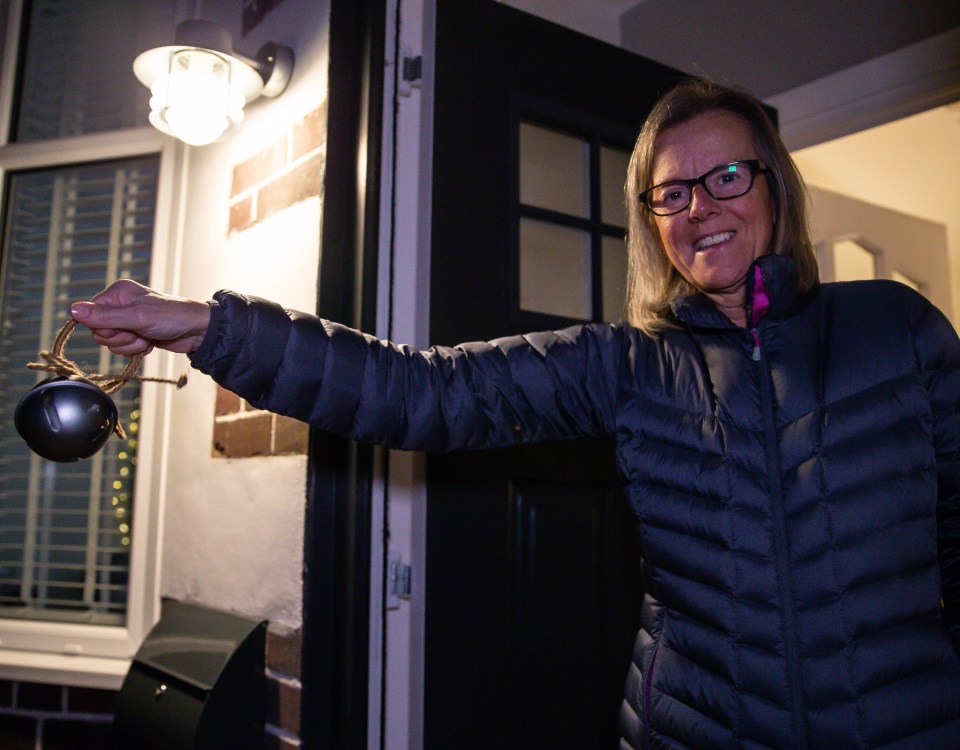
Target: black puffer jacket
{"x": 797, "y": 490}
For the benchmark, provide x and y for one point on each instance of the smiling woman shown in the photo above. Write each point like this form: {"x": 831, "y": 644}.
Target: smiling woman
{"x": 714, "y": 242}
{"x": 693, "y": 131}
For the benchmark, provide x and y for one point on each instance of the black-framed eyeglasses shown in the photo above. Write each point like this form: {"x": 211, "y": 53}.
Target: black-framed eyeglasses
{"x": 722, "y": 183}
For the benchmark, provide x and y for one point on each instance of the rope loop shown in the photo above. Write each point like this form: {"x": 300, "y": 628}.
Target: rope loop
{"x": 54, "y": 361}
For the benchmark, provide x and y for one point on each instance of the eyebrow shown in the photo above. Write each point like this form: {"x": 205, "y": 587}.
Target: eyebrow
{"x": 715, "y": 166}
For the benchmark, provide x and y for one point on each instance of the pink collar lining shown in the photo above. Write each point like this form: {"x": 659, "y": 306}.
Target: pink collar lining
{"x": 761, "y": 300}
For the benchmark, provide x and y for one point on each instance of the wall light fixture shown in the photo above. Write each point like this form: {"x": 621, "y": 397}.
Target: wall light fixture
{"x": 200, "y": 86}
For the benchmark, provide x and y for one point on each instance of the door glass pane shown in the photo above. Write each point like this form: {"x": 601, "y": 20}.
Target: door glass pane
{"x": 897, "y": 276}
{"x": 852, "y": 261}
{"x": 614, "y": 262}
{"x": 65, "y": 528}
{"x": 554, "y": 170}
{"x": 554, "y": 270}
{"x": 77, "y": 74}
{"x": 613, "y": 175}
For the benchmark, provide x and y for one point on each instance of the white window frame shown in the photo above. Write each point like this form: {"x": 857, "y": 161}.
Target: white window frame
{"x": 80, "y": 654}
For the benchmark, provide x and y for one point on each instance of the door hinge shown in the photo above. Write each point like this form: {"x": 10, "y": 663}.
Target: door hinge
{"x": 398, "y": 580}
{"x": 411, "y": 71}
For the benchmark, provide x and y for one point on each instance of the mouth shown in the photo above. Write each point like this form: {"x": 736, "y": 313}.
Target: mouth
{"x": 714, "y": 239}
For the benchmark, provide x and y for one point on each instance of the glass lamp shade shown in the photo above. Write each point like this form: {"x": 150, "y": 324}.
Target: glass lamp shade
{"x": 196, "y": 99}
{"x": 199, "y": 86}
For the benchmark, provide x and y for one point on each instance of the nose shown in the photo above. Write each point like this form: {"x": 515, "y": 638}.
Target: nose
{"x": 702, "y": 204}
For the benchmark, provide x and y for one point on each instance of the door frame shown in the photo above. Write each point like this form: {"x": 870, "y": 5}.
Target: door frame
{"x": 337, "y": 587}
{"x": 404, "y": 304}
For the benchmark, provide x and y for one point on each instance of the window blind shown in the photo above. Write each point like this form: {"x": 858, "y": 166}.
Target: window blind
{"x": 65, "y": 529}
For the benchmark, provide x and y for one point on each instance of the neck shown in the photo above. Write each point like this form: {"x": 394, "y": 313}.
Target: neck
{"x": 734, "y": 310}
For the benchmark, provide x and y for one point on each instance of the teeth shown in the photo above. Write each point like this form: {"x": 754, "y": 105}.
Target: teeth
{"x": 713, "y": 239}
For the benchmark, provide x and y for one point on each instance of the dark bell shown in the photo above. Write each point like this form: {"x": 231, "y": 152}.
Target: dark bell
{"x": 65, "y": 418}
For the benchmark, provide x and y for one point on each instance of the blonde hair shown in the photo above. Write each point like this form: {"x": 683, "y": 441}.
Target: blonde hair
{"x": 652, "y": 281}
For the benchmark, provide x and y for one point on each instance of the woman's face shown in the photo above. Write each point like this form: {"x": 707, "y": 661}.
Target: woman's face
{"x": 713, "y": 242}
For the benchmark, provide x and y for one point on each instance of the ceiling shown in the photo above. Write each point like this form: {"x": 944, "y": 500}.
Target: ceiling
{"x": 771, "y": 47}
{"x": 768, "y": 46}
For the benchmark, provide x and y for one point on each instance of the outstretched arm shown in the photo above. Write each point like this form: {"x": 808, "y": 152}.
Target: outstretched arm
{"x": 544, "y": 386}
{"x": 128, "y": 318}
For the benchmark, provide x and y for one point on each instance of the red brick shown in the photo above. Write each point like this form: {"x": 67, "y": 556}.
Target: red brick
{"x": 289, "y": 435}
{"x": 243, "y": 437}
{"x": 275, "y": 742}
{"x": 227, "y": 402}
{"x": 283, "y": 706}
{"x": 302, "y": 182}
{"x": 241, "y": 215}
{"x": 310, "y": 133}
{"x": 260, "y": 166}
{"x": 283, "y": 651}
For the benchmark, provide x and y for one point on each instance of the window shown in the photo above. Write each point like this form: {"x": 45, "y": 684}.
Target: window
{"x": 85, "y": 196}
{"x": 573, "y": 259}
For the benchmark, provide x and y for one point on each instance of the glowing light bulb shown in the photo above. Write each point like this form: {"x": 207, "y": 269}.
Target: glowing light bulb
{"x": 195, "y": 101}
{"x": 199, "y": 86}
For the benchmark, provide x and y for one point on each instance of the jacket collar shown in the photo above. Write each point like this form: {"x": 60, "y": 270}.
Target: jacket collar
{"x": 779, "y": 277}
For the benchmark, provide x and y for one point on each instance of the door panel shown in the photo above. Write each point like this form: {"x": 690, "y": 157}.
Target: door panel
{"x": 532, "y": 598}
{"x": 532, "y": 583}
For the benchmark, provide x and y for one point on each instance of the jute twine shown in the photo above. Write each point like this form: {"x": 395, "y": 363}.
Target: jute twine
{"x": 55, "y": 362}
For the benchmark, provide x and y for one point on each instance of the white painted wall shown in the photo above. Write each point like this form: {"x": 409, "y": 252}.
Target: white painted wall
{"x": 908, "y": 166}
{"x": 233, "y": 528}
{"x": 914, "y": 247}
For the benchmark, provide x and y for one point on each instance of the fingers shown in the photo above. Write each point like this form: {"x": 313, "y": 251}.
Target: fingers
{"x": 113, "y": 319}
{"x": 129, "y": 318}
{"x": 100, "y": 314}
{"x": 125, "y": 343}
{"x": 120, "y": 293}
{"x": 116, "y": 307}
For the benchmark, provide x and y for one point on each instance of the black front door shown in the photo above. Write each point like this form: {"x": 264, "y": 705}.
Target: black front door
{"x": 532, "y": 579}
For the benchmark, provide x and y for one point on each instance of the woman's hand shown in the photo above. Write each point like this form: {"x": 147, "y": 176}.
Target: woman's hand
{"x": 128, "y": 318}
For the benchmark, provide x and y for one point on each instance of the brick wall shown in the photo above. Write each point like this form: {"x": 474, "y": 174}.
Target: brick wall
{"x": 51, "y": 717}
{"x": 35, "y": 716}
{"x": 283, "y": 690}
{"x": 284, "y": 173}
{"x": 240, "y": 431}
{"x": 280, "y": 175}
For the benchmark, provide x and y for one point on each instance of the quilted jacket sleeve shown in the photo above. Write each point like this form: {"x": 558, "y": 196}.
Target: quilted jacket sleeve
{"x": 527, "y": 388}
{"x": 939, "y": 354}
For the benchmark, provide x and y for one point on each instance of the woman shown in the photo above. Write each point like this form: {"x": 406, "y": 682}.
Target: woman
{"x": 790, "y": 449}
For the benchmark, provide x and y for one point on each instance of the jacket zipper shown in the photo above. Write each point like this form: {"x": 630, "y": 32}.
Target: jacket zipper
{"x": 648, "y": 687}
{"x": 780, "y": 540}
{"x": 756, "y": 344}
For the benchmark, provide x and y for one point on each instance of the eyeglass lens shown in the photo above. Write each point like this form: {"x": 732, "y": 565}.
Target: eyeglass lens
{"x": 728, "y": 181}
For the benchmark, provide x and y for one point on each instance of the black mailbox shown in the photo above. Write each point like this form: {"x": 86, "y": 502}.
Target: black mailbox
{"x": 197, "y": 683}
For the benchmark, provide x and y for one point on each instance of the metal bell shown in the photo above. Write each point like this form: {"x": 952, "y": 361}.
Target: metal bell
{"x": 65, "y": 418}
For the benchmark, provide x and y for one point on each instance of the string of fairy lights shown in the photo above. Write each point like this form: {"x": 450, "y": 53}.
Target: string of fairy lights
{"x": 123, "y": 484}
